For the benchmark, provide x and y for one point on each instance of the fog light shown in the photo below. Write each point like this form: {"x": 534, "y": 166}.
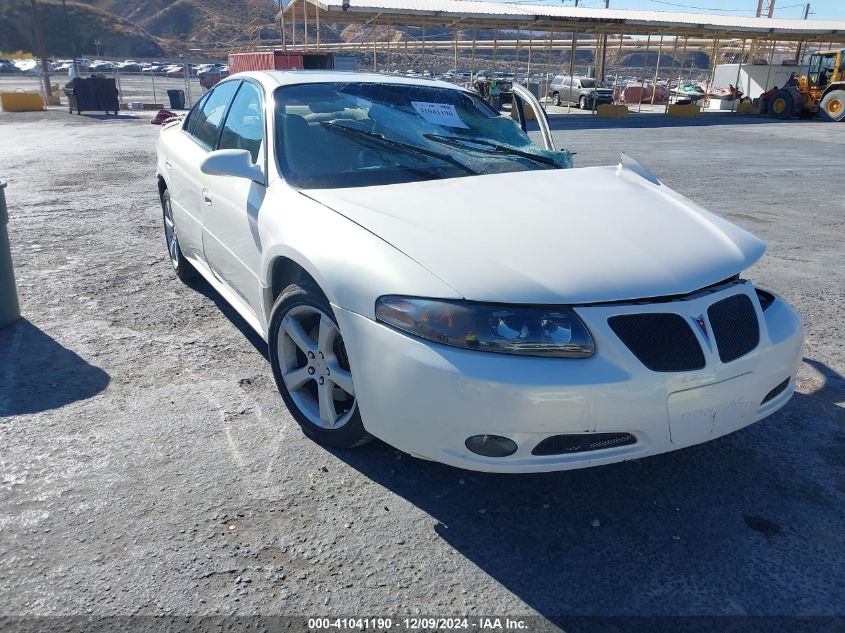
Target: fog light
{"x": 491, "y": 445}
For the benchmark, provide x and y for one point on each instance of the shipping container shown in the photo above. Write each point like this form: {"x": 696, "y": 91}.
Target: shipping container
{"x": 281, "y": 60}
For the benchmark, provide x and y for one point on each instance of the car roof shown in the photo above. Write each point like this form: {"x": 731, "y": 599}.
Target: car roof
{"x": 274, "y": 78}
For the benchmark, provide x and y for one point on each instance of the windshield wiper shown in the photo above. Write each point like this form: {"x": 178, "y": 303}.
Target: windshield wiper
{"x": 378, "y": 140}
{"x": 493, "y": 148}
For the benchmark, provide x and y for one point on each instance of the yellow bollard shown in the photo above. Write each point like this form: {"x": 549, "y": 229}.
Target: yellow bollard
{"x": 9, "y": 308}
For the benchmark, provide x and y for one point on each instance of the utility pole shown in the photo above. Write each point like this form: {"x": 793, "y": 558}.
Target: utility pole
{"x": 41, "y": 49}
{"x": 770, "y": 10}
{"x": 69, "y": 29}
{"x": 602, "y": 73}
{"x": 800, "y": 51}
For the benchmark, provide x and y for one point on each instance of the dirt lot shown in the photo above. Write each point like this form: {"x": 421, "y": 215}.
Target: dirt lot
{"x": 148, "y": 465}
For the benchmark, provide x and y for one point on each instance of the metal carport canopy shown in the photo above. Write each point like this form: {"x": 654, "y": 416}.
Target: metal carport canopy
{"x": 537, "y": 17}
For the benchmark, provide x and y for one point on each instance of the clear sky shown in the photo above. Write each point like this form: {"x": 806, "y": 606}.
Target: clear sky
{"x": 789, "y": 9}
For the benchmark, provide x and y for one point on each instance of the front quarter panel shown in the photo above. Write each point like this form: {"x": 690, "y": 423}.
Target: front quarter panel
{"x": 352, "y": 266}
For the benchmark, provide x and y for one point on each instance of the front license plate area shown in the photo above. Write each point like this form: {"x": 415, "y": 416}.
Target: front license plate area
{"x": 703, "y": 413}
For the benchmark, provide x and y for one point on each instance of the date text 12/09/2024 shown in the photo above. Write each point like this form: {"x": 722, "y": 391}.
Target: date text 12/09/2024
{"x": 418, "y": 624}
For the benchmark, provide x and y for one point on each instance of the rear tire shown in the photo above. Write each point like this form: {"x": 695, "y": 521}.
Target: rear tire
{"x": 556, "y": 99}
{"x": 832, "y": 106}
{"x": 312, "y": 369}
{"x": 181, "y": 266}
{"x": 782, "y": 105}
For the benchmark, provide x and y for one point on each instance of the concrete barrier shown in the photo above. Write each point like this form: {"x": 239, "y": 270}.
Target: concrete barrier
{"x": 9, "y": 308}
{"x": 21, "y": 101}
{"x": 687, "y": 110}
{"x": 610, "y": 111}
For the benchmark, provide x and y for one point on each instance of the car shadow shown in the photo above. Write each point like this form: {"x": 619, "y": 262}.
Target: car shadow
{"x": 200, "y": 285}
{"x": 745, "y": 524}
{"x": 111, "y": 117}
{"x": 38, "y": 374}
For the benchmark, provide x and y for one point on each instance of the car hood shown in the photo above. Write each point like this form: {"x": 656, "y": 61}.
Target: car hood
{"x": 552, "y": 236}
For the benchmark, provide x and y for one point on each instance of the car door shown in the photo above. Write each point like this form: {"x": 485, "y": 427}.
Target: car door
{"x": 523, "y": 101}
{"x": 231, "y": 241}
{"x": 200, "y": 137}
{"x": 575, "y": 91}
{"x": 189, "y": 226}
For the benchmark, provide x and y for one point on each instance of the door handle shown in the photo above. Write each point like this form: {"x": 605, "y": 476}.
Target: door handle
{"x": 168, "y": 164}
{"x": 206, "y": 197}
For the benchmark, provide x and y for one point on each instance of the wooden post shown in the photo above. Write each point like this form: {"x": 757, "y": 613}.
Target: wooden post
{"x": 282, "y": 29}
{"x": 618, "y": 62}
{"x": 769, "y": 69}
{"x": 528, "y": 72}
{"x": 549, "y": 64}
{"x": 573, "y": 50}
{"x": 656, "y": 71}
{"x": 455, "y": 64}
{"x": 642, "y": 81}
{"x": 669, "y": 84}
{"x": 422, "y": 60}
{"x": 738, "y": 75}
{"x": 472, "y": 74}
{"x": 712, "y": 71}
{"x": 681, "y": 71}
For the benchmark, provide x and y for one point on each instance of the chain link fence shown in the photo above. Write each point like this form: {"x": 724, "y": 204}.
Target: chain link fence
{"x": 133, "y": 87}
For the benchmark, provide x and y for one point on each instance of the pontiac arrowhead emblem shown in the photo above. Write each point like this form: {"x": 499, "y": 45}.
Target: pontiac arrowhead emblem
{"x": 699, "y": 321}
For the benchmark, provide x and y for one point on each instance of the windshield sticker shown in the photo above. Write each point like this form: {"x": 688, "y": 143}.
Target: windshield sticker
{"x": 439, "y": 114}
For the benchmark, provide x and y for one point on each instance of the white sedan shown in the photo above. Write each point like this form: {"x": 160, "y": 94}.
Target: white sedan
{"x": 402, "y": 249}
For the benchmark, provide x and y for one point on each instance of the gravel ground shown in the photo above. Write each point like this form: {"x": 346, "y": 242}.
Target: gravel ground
{"x": 149, "y": 466}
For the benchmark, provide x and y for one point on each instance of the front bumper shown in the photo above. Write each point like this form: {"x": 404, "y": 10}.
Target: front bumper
{"x": 427, "y": 399}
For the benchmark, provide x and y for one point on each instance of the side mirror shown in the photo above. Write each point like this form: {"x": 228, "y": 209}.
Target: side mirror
{"x": 231, "y": 162}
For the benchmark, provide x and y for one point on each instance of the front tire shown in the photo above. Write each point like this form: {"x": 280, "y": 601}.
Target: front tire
{"x": 181, "y": 266}
{"x": 582, "y": 103}
{"x": 832, "y": 106}
{"x": 311, "y": 368}
{"x": 782, "y": 105}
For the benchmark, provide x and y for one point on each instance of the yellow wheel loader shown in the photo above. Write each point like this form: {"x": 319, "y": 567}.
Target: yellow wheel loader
{"x": 821, "y": 91}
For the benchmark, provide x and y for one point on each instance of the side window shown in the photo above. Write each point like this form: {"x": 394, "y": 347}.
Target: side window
{"x": 207, "y": 120}
{"x": 191, "y": 119}
{"x": 244, "y": 127}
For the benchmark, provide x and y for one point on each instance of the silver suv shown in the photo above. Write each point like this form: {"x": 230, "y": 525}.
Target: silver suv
{"x": 584, "y": 92}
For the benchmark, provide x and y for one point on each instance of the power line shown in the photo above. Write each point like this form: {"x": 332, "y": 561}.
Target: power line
{"x": 687, "y": 6}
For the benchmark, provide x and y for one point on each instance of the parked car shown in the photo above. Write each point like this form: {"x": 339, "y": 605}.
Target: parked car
{"x": 102, "y": 67}
{"x": 404, "y": 252}
{"x": 584, "y": 92}
{"x": 7, "y": 67}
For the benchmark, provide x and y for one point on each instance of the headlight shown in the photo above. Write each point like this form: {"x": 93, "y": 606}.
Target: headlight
{"x": 531, "y": 331}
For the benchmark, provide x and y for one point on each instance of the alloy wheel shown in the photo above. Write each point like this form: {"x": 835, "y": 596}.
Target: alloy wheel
{"x": 315, "y": 368}
{"x": 170, "y": 234}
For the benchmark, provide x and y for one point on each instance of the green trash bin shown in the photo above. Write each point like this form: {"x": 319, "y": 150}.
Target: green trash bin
{"x": 9, "y": 309}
